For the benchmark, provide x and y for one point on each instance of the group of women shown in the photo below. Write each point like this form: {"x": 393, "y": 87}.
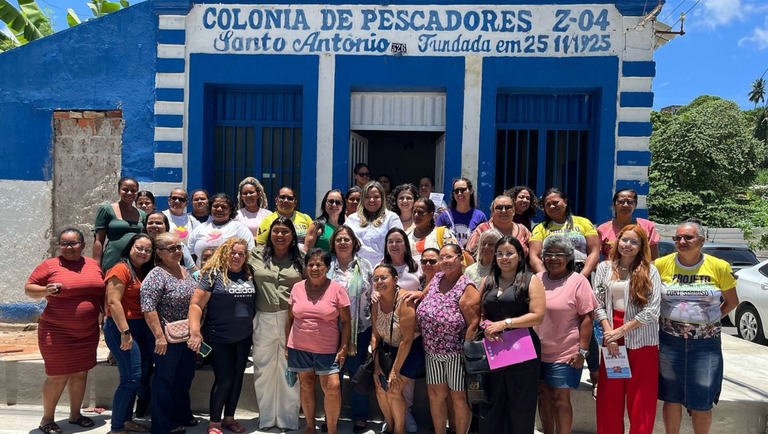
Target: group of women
{"x": 385, "y": 273}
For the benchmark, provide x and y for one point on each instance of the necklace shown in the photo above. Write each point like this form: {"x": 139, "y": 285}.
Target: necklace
{"x": 623, "y": 268}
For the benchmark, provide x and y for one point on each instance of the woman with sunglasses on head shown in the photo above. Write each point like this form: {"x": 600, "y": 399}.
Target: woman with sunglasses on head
{"x": 220, "y": 228}
{"x": 352, "y": 199}
{"x": 354, "y": 273}
{"x": 165, "y": 296}
{"x": 277, "y": 266}
{"x": 252, "y": 204}
{"x": 565, "y": 333}
{"x": 461, "y": 216}
{"x": 200, "y": 202}
{"x": 286, "y": 202}
{"x": 624, "y": 203}
{"x": 372, "y": 222}
{"x": 425, "y": 232}
{"x": 126, "y": 332}
{"x": 502, "y": 213}
{"x": 512, "y": 298}
{"x": 401, "y": 202}
{"x": 116, "y": 223}
{"x": 484, "y": 256}
{"x": 526, "y": 204}
{"x": 332, "y": 215}
{"x": 690, "y": 353}
{"x": 227, "y": 288}
{"x": 628, "y": 289}
{"x": 68, "y": 328}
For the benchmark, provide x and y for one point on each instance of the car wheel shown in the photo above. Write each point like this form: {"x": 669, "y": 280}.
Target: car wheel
{"x": 749, "y": 326}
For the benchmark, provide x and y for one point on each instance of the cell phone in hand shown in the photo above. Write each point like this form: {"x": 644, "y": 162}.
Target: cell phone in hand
{"x": 384, "y": 383}
{"x": 205, "y": 349}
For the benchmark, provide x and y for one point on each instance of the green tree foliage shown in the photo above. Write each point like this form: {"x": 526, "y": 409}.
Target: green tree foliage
{"x": 27, "y": 23}
{"x": 99, "y": 8}
{"x": 704, "y": 160}
{"x": 757, "y": 94}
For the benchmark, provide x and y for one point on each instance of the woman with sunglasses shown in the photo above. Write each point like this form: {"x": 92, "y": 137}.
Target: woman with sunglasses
{"x": 401, "y": 202}
{"x": 425, "y": 232}
{"x": 116, "y": 223}
{"x": 126, "y": 333}
{"x": 68, "y": 328}
{"x": 361, "y": 174}
{"x": 165, "y": 296}
{"x": 628, "y": 289}
{"x": 332, "y": 215}
{"x": 354, "y": 273}
{"x": 286, "y": 201}
{"x": 624, "y": 203}
{"x": 502, "y": 214}
{"x": 252, "y": 204}
{"x": 182, "y": 222}
{"x": 689, "y": 337}
{"x": 220, "y": 228}
{"x": 461, "y": 216}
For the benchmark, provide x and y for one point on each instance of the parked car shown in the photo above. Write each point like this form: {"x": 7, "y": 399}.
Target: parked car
{"x": 740, "y": 256}
{"x": 752, "y": 312}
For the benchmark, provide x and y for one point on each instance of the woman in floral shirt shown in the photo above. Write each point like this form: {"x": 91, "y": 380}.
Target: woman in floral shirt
{"x": 448, "y": 315}
{"x": 165, "y": 296}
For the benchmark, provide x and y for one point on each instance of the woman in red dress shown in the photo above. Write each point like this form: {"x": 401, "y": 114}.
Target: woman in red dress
{"x": 68, "y": 329}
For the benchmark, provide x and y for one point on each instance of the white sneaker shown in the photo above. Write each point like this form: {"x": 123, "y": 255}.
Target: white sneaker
{"x": 410, "y": 423}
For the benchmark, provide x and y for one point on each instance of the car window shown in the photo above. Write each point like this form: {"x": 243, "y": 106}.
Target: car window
{"x": 764, "y": 270}
{"x": 665, "y": 248}
{"x": 740, "y": 257}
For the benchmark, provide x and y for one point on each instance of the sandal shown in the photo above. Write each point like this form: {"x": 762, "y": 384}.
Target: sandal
{"x": 83, "y": 421}
{"x": 594, "y": 391}
{"x": 135, "y": 427}
{"x": 234, "y": 427}
{"x": 50, "y": 428}
{"x": 214, "y": 431}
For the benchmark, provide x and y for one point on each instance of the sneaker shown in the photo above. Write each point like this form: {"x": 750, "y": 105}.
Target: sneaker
{"x": 410, "y": 423}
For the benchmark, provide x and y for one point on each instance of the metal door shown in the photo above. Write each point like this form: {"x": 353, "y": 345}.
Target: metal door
{"x": 358, "y": 152}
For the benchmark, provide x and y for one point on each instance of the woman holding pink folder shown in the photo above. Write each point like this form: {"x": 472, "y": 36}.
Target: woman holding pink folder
{"x": 512, "y": 298}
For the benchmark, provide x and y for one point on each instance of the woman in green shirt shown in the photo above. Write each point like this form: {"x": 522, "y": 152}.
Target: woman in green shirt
{"x": 116, "y": 223}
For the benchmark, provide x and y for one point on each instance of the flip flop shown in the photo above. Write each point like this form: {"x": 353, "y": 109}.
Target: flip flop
{"x": 234, "y": 427}
{"x": 83, "y": 421}
{"x": 214, "y": 431}
{"x": 50, "y": 428}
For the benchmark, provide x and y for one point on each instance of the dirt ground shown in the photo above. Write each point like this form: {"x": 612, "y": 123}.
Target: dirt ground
{"x": 20, "y": 340}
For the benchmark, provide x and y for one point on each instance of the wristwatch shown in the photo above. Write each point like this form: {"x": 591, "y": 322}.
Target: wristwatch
{"x": 127, "y": 332}
{"x": 584, "y": 353}
{"x": 508, "y": 323}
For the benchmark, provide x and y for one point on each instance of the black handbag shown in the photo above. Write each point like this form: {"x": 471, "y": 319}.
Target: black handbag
{"x": 362, "y": 381}
{"x": 475, "y": 359}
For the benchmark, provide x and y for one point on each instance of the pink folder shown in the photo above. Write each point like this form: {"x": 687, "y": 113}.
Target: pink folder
{"x": 516, "y": 347}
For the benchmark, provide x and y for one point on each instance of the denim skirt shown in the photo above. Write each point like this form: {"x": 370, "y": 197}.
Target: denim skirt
{"x": 690, "y": 371}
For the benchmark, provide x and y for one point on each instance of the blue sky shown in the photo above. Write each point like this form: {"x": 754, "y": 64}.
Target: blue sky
{"x": 724, "y": 49}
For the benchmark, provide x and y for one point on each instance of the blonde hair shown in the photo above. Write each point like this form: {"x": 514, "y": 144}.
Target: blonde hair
{"x": 262, "y": 195}
{"x": 378, "y": 218}
{"x": 219, "y": 262}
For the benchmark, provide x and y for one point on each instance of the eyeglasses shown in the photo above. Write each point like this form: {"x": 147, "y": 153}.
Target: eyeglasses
{"x": 379, "y": 278}
{"x": 678, "y": 238}
{"x": 64, "y": 244}
{"x": 147, "y": 250}
{"x": 172, "y": 249}
{"x": 340, "y": 240}
{"x": 460, "y": 190}
{"x": 503, "y": 207}
{"x": 177, "y": 199}
{"x": 428, "y": 261}
{"x": 507, "y": 255}
{"x": 625, "y": 202}
{"x": 555, "y": 255}
{"x": 286, "y": 197}
{"x": 333, "y": 202}
{"x": 364, "y": 174}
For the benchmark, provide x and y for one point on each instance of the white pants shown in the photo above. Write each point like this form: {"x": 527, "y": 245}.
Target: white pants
{"x": 278, "y": 403}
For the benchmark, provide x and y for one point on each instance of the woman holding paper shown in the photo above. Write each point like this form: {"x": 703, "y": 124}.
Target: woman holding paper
{"x": 628, "y": 290}
{"x": 512, "y": 298}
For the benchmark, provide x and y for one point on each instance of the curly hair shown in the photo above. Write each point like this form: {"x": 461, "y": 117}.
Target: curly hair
{"x": 219, "y": 262}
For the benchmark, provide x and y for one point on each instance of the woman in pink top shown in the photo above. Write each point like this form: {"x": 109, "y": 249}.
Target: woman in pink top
{"x": 565, "y": 333}
{"x": 316, "y": 306}
{"x": 624, "y": 203}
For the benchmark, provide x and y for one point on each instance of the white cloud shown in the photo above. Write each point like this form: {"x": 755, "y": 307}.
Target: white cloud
{"x": 759, "y": 37}
{"x": 721, "y": 12}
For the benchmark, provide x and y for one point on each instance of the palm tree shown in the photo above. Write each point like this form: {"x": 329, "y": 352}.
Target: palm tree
{"x": 757, "y": 94}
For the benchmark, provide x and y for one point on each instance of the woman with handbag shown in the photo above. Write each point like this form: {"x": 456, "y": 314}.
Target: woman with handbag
{"x": 512, "y": 298}
{"x": 226, "y": 287}
{"x": 399, "y": 346}
{"x": 165, "y": 296}
{"x": 448, "y": 315}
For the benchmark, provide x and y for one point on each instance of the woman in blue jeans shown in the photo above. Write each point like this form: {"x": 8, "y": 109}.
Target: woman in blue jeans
{"x": 354, "y": 274}
{"x": 165, "y": 296}
{"x": 125, "y": 331}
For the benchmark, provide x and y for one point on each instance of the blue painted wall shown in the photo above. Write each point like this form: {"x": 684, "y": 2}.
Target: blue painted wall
{"x": 102, "y": 64}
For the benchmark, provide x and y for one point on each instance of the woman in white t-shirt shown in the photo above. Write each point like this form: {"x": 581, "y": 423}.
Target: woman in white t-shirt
{"x": 220, "y": 228}
{"x": 372, "y": 221}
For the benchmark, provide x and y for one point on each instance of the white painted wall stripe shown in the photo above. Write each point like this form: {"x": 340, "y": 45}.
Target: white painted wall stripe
{"x": 325, "y": 104}
{"x": 171, "y": 22}
{"x": 168, "y": 51}
{"x": 632, "y": 114}
{"x": 635, "y": 84}
{"x": 642, "y": 201}
{"x": 169, "y": 134}
{"x": 166, "y": 159}
{"x": 169, "y": 108}
{"x": 632, "y": 144}
{"x": 470, "y": 139}
{"x": 632, "y": 173}
{"x": 168, "y": 80}
{"x": 164, "y": 188}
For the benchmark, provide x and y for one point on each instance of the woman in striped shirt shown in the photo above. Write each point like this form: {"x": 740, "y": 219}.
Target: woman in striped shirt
{"x": 628, "y": 289}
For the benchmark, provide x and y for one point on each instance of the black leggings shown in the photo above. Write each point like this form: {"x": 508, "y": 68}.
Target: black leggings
{"x": 228, "y": 364}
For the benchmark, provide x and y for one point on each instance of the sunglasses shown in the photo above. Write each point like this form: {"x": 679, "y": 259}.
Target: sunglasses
{"x": 625, "y": 202}
{"x": 178, "y": 199}
{"x": 172, "y": 249}
{"x": 364, "y": 174}
{"x": 460, "y": 190}
{"x": 333, "y": 202}
{"x": 678, "y": 238}
{"x": 429, "y": 261}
